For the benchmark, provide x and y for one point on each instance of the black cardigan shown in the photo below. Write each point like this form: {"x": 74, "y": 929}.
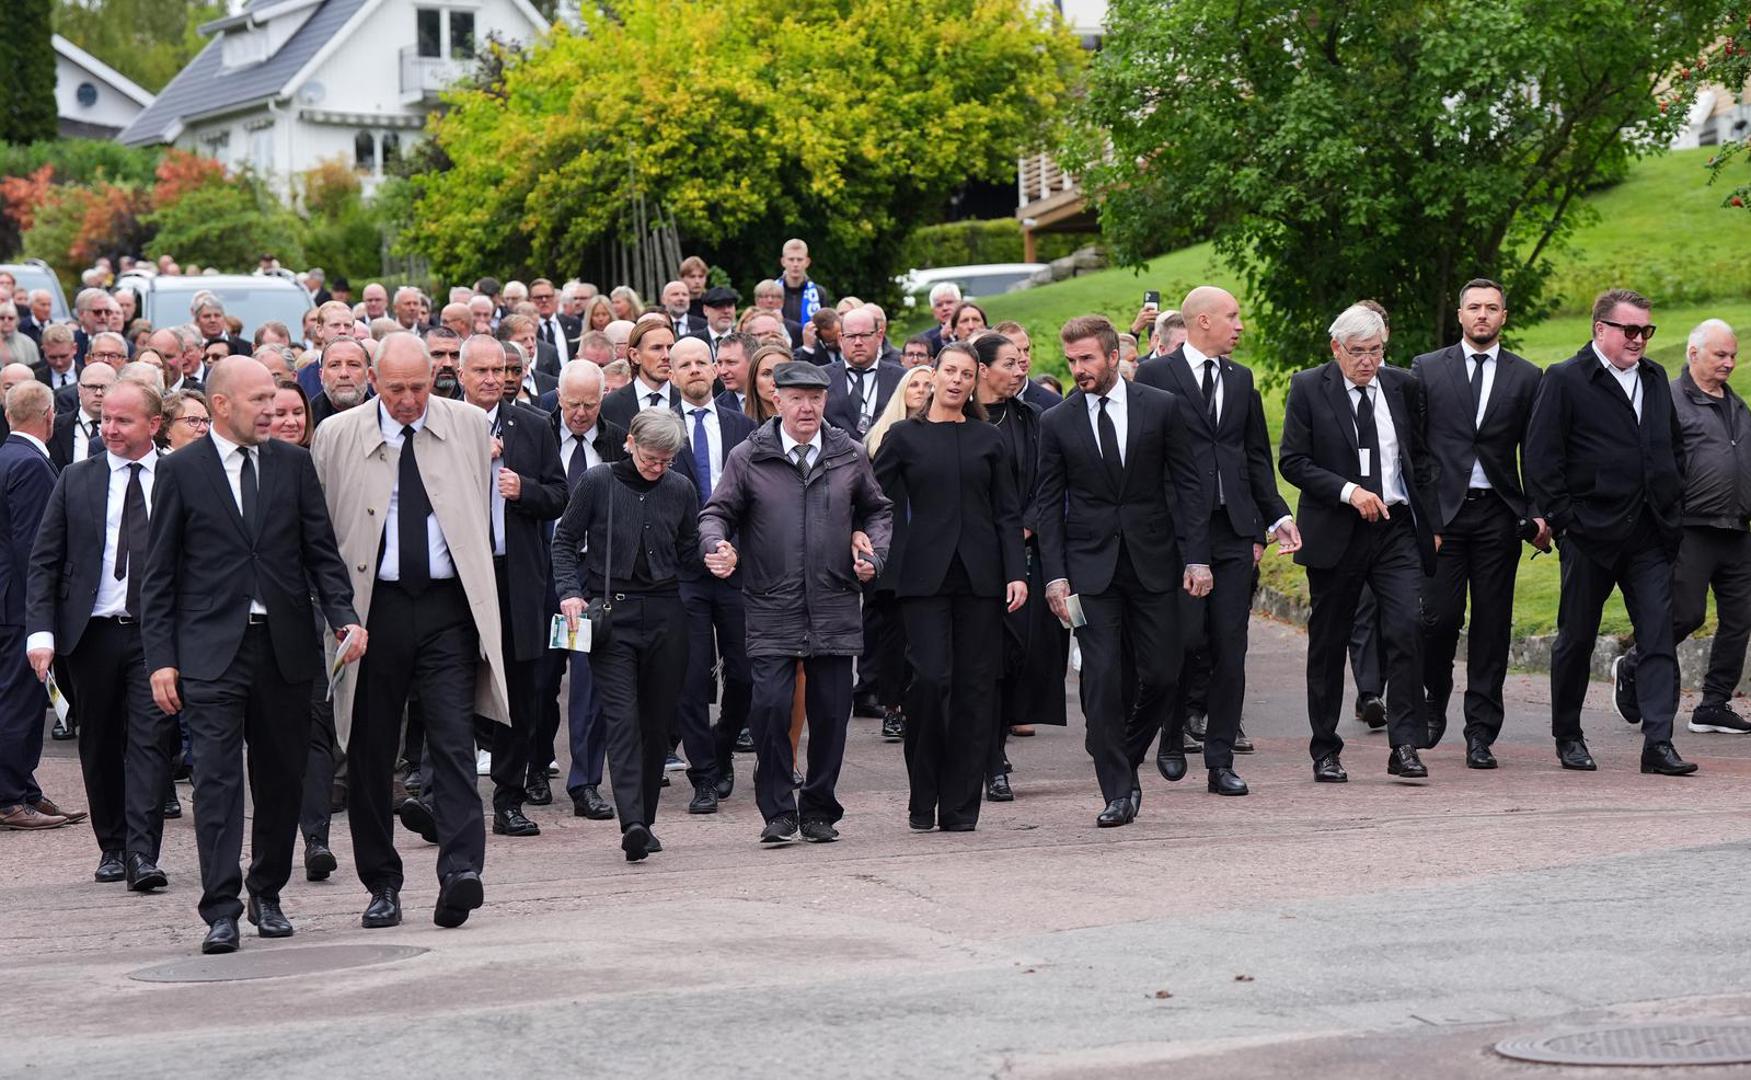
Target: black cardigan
{"x": 663, "y": 524}
{"x": 956, "y": 484}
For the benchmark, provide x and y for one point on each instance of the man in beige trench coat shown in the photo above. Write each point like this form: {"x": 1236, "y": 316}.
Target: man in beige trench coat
{"x": 430, "y": 603}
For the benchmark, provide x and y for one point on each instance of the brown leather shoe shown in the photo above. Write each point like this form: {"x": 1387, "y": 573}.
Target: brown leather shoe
{"x": 22, "y": 816}
{"x": 46, "y": 807}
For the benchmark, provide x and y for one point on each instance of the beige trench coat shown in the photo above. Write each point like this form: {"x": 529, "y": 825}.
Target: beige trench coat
{"x": 358, "y": 469}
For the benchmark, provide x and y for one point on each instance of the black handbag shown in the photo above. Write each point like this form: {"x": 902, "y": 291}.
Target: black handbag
{"x": 600, "y": 611}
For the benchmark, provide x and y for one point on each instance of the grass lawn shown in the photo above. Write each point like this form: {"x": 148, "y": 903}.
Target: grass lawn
{"x": 1661, "y": 231}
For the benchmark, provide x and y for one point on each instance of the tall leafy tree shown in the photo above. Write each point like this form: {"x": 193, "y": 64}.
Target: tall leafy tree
{"x": 149, "y": 41}
{"x": 27, "y": 73}
{"x": 1391, "y": 149}
{"x": 841, "y": 121}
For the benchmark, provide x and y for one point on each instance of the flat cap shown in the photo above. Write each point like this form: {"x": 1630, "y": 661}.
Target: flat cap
{"x": 719, "y": 296}
{"x": 799, "y": 375}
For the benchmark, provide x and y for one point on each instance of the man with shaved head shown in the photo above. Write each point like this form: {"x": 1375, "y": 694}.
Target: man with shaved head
{"x": 1232, "y": 448}
{"x": 240, "y": 540}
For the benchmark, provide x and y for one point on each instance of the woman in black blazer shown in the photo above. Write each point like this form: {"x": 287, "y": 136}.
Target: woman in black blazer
{"x": 959, "y": 566}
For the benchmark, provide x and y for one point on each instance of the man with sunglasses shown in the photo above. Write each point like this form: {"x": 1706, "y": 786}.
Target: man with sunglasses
{"x": 1604, "y": 462}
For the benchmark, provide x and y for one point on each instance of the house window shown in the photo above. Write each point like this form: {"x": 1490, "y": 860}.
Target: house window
{"x": 462, "y": 35}
{"x": 87, "y": 95}
{"x": 429, "y": 24}
{"x": 391, "y": 148}
{"x": 365, "y": 152}
{"x": 261, "y": 149}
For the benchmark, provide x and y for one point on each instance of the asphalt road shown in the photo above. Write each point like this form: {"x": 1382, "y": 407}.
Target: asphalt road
{"x": 1370, "y": 929}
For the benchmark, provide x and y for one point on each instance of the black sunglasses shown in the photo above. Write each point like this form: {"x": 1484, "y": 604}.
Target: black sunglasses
{"x": 1631, "y": 330}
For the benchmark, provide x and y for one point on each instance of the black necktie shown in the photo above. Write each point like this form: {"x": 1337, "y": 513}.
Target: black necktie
{"x": 246, "y": 485}
{"x": 133, "y": 537}
{"x": 1109, "y": 445}
{"x": 656, "y": 398}
{"x": 801, "y": 453}
{"x": 411, "y": 511}
{"x": 93, "y": 440}
{"x": 574, "y": 469}
{"x": 1477, "y": 382}
{"x": 1210, "y": 389}
{"x": 1368, "y": 438}
{"x": 547, "y": 331}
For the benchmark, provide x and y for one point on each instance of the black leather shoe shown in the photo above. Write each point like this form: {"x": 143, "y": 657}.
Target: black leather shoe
{"x": 1171, "y": 764}
{"x": 319, "y": 862}
{"x": 1136, "y": 802}
{"x": 1404, "y": 763}
{"x": 893, "y": 726}
{"x": 704, "y": 799}
{"x": 1371, "y": 711}
{"x": 1197, "y": 724}
{"x": 590, "y": 804}
{"x": 1118, "y": 812}
{"x": 383, "y": 910}
{"x": 920, "y": 822}
{"x": 817, "y": 830}
{"x": 221, "y": 937}
{"x": 745, "y": 742}
{"x": 62, "y": 731}
{"x": 1329, "y": 770}
{"x": 1433, "y": 731}
{"x": 416, "y": 817}
{"x": 635, "y": 840}
{"x": 866, "y": 707}
{"x": 457, "y": 896}
{"x": 143, "y": 874}
{"x": 654, "y": 846}
{"x": 1225, "y": 782}
{"x": 997, "y": 789}
{"x": 109, "y": 868}
{"x": 172, "y": 807}
{"x": 1478, "y": 756}
{"x": 1573, "y": 755}
{"x": 726, "y": 781}
{"x": 1662, "y": 758}
{"x": 538, "y": 792}
{"x": 511, "y": 822}
{"x": 267, "y": 918}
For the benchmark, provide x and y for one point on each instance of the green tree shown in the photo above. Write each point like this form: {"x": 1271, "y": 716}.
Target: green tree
{"x": 1728, "y": 64}
{"x": 845, "y": 122}
{"x": 227, "y": 224}
{"x": 1392, "y": 149}
{"x": 27, "y": 73}
{"x": 149, "y": 41}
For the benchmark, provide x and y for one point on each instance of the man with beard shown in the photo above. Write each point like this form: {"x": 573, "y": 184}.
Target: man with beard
{"x": 445, "y": 347}
{"x": 343, "y": 363}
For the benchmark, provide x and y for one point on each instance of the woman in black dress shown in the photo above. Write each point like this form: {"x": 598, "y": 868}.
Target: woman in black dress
{"x": 655, "y": 530}
{"x": 960, "y": 566}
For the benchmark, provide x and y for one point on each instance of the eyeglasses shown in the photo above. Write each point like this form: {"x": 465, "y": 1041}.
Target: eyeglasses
{"x": 653, "y": 462}
{"x": 96, "y": 388}
{"x": 1631, "y": 330}
{"x": 194, "y": 422}
{"x": 107, "y": 356}
{"x": 1373, "y": 352}
{"x": 858, "y": 337}
{"x": 541, "y": 296}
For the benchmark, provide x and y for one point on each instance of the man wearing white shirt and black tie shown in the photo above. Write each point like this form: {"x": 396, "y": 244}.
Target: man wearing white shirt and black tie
{"x": 648, "y": 348}
{"x": 719, "y": 305}
{"x": 858, "y": 386}
{"x": 677, "y": 303}
{"x": 77, "y": 435}
{"x": 555, "y": 327}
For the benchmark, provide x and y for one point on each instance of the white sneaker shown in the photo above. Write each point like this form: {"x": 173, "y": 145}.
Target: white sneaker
{"x": 483, "y": 763}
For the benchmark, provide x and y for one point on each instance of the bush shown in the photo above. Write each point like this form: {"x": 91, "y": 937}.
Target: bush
{"x": 80, "y": 161}
{"x": 75, "y": 225}
{"x": 227, "y": 225}
{"x": 964, "y": 243}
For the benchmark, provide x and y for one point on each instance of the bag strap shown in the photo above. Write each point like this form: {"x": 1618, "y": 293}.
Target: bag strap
{"x": 608, "y": 564}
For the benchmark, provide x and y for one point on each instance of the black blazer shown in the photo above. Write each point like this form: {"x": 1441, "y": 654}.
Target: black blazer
{"x": 1236, "y": 453}
{"x": 61, "y": 436}
{"x": 1318, "y": 455}
{"x": 957, "y": 486}
{"x": 841, "y": 412}
{"x": 1591, "y": 467}
{"x": 41, "y": 370}
{"x": 1038, "y": 396}
{"x": 820, "y": 356}
{"x": 623, "y": 404}
{"x": 1457, "y": 442}
{"x": 735, "y": 426}
{"x": 205, "y": 558}
{"x": 67, "y": 562}
{"x": 27, "y": 481}
{"x": 1082, "y": 519}
{"x": 609, "y": 443}
{"x": 531, "y": 450}
{"x": 569, "y": 325}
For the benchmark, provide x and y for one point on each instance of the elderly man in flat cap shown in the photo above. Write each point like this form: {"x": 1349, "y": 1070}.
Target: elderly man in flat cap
{"x": 798, "y": 477}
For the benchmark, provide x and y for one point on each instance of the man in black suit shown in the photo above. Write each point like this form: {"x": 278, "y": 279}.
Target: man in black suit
{"x": 1232, "y": 447}
{"x": 528, "y": 492}
{"x": 715, "y": 617}
{"x": 677, "y": 305}
{"x": 732, "y": 352}
{"x": 719, "y": 308}
{"x": 77, "y": 435}
{"x": 585, "y": 440}
{"x": 827, "y": 348}
{"x": 859, "y": 386}
{"x": 557, "y": 330}
{"x": 27, "y": 480}
{"x": 59, "y": 368}
{"x": 240, "y": 537}
{"x": 769, "y": 296}
{"x": 1353, "y": 442}
{"x": 1123, "y": 525}
{"x": 648, "y": 348}
{"x": 1605, "y": 463}
{"x": 945, "y": 296}
{"x": 522, "y": 384}
{"x": 1479, "y": 398}
{"x": 87, "y": 568}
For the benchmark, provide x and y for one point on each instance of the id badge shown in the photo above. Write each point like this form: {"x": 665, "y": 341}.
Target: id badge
{"x": 1365, "y": 457}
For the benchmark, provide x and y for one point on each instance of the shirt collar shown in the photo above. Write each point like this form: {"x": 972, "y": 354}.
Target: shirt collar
{"x": 1609, "y": 366}
{"x": 117, "y": 463}
{"x": 589, "y": 436}
{"x": 1195, "y": 356}
{"x": 225, "y": 446}
{"x": 790, "y": 444}
{"x": 1494, "y": 352}
{"x": 388, "y": 425}
{"x": 709, "y": 405}
{"x": 1115, "y": 396}
{"x": 645, "y": 389}
{"x": 34, "y": 441}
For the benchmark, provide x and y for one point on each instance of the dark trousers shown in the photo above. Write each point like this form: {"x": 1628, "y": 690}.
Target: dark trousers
{"x": 1383, "y": 556}
{"x": 639, "y": 678}
{"x": 952, "y": 703}
{"x": 1216, "y": 624}
{"x": 1717, "y": 559}
{"x": 716, "y": 640}
{"x": 125, "y": 743}
{"x": 549, "y": 674}
{"x": 1644, "y": 573}
{"x": 250, "y": 703}
{"x": 887, "y": 648}
{"x": 1367, "y": 657}
{"x": 510, "y": 742}
{"x": 1480, "y": 553}
{"x": 586, "y": 731}
{"x": 1131, "y": 656}
{"x": 321, "y": 768}
{"x": 827, "y": 701}
{"x": 22, "y": 702}
{"x": 429, "y": 641}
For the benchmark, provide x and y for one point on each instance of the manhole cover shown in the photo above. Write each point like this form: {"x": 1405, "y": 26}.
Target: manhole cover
{"x": 1640, "y": 1044}
{"x": 270, "y": 963}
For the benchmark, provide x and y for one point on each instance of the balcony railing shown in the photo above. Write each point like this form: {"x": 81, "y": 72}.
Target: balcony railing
{"x": 422, "y": 77}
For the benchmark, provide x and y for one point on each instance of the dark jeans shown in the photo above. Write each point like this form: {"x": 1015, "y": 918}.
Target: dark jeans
{"x": 1480, "y": 555}
{"x": 125, "y": 742}
{"x": 827, "y": 701}
{"x": 1717, "y": 559}
{"x": 951, "y": 703}
{"x": 639, "y": 678}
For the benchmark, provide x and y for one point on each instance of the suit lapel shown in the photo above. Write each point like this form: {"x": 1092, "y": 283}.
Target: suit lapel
{"x": 1338, "y": 397}
{"x": 96, "y": 494}
{"x": 1084, "y": 426}
{"x": 215, "y": 470}
{"x": 1190, "y": 388}
{"x": 1457, "y": 364}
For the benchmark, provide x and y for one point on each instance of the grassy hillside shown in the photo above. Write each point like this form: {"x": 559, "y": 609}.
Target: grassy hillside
{"x": 1661, "y": 231}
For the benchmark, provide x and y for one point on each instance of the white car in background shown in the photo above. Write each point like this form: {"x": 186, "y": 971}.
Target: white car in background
{"x": 985, "y": 279}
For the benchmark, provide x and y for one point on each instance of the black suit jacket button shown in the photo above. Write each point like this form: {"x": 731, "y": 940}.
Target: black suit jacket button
{"x": 361, "y": 568}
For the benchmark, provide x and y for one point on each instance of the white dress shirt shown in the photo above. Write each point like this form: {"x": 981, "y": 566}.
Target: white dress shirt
{"x": 1116, "y": 411}
{"x": 1391, "y": 483}
{"x": 498, "y": 498}
{"x": 871, "y": 388}
{"x": 84, "y": 430}
{"x": 231, "y": 457}
{"x": 714, "y": 437}
{"x": 58, "y": 379}
{"x": 438, "y": 552}
{"x": 812, "y": 458}
{"x": 1478, "y": 479}
{"x": 1195, "y": 359}
{"x": 1630, "y": 380}
{"x": 558, "y": 343}
{"x": 644, "y": 390}
{"x": 112, "y": 595}
{"x": 572, "y": 443}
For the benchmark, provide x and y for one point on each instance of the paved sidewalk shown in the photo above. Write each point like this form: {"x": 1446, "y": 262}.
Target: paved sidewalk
{"x": 1371, "y": 929}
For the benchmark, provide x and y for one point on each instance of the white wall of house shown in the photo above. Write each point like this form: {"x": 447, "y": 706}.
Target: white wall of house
{"x": 108, "y": 107}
